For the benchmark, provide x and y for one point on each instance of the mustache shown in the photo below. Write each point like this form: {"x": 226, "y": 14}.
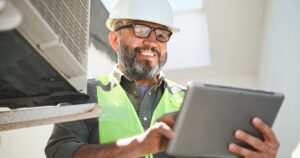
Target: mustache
{"x": 146, "y": 47}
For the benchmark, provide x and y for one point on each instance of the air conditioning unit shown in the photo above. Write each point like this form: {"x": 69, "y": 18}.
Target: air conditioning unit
{"x": 43, "y": 61}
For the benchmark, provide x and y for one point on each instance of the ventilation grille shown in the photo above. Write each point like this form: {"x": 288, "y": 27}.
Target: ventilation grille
{"x": 69, "y": 20}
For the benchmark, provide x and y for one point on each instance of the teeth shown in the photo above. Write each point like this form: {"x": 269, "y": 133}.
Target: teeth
{"x": 148, "y": 54}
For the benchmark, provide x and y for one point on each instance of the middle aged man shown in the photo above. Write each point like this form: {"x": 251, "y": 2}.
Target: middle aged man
{"x": 136, "y": 94}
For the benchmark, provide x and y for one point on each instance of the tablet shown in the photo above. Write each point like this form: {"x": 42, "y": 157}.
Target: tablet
{"x": 210, "y": 115}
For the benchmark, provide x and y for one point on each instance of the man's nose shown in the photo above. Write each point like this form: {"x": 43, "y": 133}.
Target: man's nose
{"x": 151, "y": 39}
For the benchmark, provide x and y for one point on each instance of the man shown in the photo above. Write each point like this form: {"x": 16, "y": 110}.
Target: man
{"x": 136, "y": 94}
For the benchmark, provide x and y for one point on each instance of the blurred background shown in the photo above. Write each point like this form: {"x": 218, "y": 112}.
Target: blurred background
{"x": 244, "y": 43}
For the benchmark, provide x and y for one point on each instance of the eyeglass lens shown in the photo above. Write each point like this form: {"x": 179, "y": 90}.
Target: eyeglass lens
{"x": 144, "y": 31}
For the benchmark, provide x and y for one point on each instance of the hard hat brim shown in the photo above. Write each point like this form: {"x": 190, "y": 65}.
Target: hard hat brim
{"x": 110, "y": 22}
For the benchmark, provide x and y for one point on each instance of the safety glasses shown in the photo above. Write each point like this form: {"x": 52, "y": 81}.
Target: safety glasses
{"x": 144, "y": 31}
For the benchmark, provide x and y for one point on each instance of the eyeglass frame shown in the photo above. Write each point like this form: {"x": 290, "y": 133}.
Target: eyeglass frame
{"x": 151, "y": 29}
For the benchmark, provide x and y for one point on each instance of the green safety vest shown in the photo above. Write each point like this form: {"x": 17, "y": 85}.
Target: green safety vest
{"x": 118, "y": 117}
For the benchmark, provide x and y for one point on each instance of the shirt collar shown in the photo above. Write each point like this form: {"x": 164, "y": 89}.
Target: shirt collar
{"x": 118, "y": 74}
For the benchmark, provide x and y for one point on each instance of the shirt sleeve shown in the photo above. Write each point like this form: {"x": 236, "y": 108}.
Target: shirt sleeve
{"x": 66, "y": 138}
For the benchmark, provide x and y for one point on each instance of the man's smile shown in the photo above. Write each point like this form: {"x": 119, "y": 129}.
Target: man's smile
{"x": 147, "y": 53}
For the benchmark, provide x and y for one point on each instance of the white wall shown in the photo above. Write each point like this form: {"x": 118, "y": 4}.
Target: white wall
{"x": 280, "y": 68}
{"x": 190, "y": 47}
{"x": 26, "y": 142}
{"x": 98, "y": 63}
{"x": 296, "y": 152}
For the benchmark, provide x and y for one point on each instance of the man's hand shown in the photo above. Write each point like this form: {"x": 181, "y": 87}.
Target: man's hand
{"x": 264, "y": 149}
{"x": 154, "y": 139}
{"x": 168, "y": 118}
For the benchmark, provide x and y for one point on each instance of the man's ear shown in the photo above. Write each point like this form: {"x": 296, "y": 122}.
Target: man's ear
{"x": 114, "y": 41}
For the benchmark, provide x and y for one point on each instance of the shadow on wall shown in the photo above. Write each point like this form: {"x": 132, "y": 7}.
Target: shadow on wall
{"x": 98, "y": 30}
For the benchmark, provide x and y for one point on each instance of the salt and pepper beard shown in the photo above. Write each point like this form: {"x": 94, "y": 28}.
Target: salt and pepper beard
{"x": 140, "y": 71}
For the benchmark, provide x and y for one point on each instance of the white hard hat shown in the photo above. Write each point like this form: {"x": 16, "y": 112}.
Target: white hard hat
{"x": 156, "y": 11}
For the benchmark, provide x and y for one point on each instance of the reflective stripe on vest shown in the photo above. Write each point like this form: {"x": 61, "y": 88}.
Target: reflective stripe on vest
{"x": 118, "y": 117}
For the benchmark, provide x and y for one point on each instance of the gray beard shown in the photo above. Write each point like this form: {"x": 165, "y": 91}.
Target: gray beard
{"x": 136, "y": 71}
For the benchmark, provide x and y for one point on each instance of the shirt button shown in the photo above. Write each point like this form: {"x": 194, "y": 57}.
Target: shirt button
{"x": 135, "y": 94}
{"x": 149, "y": 93}
{"x": 145, "y": 118}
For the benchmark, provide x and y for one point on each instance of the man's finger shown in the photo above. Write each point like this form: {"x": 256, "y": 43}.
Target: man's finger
{"x": 241, "y": 151}
{"x": 164, "y": 129}
{"x": 168, "y": 118}
{"x": 267, "y": 132}
{"x": 251, "y": 140}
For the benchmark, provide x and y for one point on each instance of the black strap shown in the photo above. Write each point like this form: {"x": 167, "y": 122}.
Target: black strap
{"x": 93, "y": 123}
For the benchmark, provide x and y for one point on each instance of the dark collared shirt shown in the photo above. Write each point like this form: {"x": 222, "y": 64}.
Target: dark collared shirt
{"x": 144, "y": 105}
